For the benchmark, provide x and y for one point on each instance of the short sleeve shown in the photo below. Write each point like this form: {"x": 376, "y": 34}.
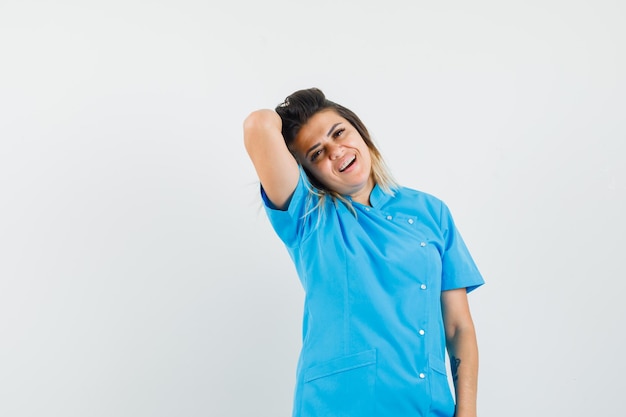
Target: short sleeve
{"x": 459, "y": 269}
{"x": 288, "y": 224}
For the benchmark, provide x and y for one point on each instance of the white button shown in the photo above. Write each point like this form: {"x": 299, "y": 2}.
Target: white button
{"x": 423, "y": 286}
{"x": 423, "y": 244}
{"x": 410, "y": 221}
{"x": 388, "y": 217}
{"x": 422, "y": 376}
{"x": 367, "y": 209}
{"x": 421, "y": 332}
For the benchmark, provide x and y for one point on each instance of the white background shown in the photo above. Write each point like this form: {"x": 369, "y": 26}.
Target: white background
{"x": 138, "y": 273}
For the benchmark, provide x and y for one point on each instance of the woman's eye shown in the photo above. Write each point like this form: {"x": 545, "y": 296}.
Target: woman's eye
{"x": 315, "y": 155}
{"x": 339, "y": 132}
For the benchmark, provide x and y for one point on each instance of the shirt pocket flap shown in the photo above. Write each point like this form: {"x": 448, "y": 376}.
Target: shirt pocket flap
{"x": 437, "y": 364}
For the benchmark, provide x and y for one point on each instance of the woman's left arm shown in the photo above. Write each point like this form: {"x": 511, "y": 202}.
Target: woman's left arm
{"x": 462, "y": 349}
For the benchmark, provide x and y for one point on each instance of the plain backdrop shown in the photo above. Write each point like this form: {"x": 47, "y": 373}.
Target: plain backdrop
{"x": 139, "y": 275}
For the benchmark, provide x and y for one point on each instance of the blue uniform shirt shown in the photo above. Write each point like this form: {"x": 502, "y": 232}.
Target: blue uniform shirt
{"x": 373, "y": 335}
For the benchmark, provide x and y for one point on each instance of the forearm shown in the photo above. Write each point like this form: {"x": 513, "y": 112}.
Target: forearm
{"x": 463, "y": 352}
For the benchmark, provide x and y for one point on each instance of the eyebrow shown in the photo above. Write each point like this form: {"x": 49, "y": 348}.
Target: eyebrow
{"x": 330, "y": 131}
{"x": 332, "y": 128}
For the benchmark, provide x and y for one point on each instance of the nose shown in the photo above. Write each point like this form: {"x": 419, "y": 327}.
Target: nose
{"x": 335, "y": 151}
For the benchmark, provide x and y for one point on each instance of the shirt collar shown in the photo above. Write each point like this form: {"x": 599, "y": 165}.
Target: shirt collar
{"x": 378, "y": 197}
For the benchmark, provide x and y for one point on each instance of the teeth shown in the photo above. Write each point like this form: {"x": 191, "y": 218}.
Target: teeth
{"x": 346, "y": 163}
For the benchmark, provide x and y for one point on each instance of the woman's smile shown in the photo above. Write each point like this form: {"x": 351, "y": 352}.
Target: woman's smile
{"x": 347, "y": 163}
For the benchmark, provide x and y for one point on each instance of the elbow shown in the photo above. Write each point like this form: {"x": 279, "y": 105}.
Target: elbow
{"x": 260, "y": 123}
{"x": 459, "y": 332}
{"x": 262, "y": 120}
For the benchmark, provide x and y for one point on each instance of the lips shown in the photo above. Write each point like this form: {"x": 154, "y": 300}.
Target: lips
{"x": 347, "y": 163}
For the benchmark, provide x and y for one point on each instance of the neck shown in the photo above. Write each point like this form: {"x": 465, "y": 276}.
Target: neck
{"x": 363, "y": 195}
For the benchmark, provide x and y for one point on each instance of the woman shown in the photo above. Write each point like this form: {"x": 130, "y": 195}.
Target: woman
{"x": 385, "y": 272}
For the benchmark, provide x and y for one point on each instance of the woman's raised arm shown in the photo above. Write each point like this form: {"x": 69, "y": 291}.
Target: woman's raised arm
{"x": 275, "y": 165}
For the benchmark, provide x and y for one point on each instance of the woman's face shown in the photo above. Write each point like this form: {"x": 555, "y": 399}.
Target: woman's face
{"x": 336, "y": 154}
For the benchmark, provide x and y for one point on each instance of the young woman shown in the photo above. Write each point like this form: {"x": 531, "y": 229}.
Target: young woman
{"x": 384, "y": 269}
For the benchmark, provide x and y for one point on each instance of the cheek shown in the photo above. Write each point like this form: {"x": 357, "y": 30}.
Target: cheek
{"x": 320, "y": 170}
{"x": 322, "y": 173}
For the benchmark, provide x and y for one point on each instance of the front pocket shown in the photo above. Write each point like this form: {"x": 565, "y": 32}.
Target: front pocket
{"x": 442, "y": 402}
{"x": 342, "y": 364}
{"x": 340, "y": 387}
{"x": 437, "y": 364}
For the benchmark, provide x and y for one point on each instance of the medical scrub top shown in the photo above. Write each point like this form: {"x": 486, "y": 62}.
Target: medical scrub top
{"x": 373, "y": 334}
